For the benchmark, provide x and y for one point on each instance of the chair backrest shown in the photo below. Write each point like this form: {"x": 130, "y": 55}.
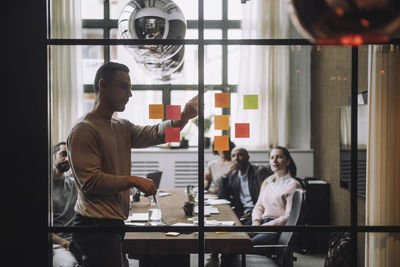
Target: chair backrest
{"x": 302, "y": 181}
{"x": 156, "y": 177}
{"x": 296, "y": 217}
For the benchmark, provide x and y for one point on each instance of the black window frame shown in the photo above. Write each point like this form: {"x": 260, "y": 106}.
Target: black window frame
{"x": 354, "y": 228}
{"x": 106, "y": 24}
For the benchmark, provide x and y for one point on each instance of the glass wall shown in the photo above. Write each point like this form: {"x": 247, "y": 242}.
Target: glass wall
{"x": 258, "y": 93}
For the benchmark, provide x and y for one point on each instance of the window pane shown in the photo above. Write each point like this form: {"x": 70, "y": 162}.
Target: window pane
{"x": 116, "y": 7}
{"x": 210, "y": 111}
{"x": 212, "y": 9}
{"x": 213, "y": 64}
{"x": 212, "y": 34}
{"x": 88, "y": 102}
{"x": 190, "y": 131}
{"x": 189, "y": 8}
{"x": 234, "y": 34}
{"x": 192, "y": 34}
{"x": 137, "y": 109}
{"x": 92, "y": 9}
{"x": 92, "y": 59}
{"x": 235, "y": 10}
{"x": 233, "y": 64}
{"x": 92, "y": 33}
{"x": 188, "y": 74}
{"x": 234, "y": 110}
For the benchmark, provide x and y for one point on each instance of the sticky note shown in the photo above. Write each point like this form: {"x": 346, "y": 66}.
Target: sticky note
{"x": 242, "y": 130}
{"x": 156, "y": 111}
{"x": 221, "y": 143}
{"x": 222, "y": 100}
{"x": 250, "y": 101}
{"x": 172, "y": 234}
{"x": 173, "y": 112}
{"x": 221, "y": 122}
{"x": 172, "y": 134}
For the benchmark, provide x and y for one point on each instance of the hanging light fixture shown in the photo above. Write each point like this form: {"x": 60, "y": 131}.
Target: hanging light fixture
{"x": 348, "y": 22}
{"x": 154, "y": 19}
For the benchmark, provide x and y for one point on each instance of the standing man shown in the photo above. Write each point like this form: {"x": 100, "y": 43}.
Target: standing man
{"x": 100, "y": 154}
{"x": 64, "y": 196}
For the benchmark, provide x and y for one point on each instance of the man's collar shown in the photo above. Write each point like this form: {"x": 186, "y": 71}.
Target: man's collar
{"x": 246, "y": 172}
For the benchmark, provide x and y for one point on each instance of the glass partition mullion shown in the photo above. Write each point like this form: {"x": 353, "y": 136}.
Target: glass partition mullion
{"x": 201, "y": 240}
{"x": 354, "y": 144}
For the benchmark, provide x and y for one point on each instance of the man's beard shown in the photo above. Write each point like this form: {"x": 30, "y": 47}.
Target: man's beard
{"x": 62, "y": 166}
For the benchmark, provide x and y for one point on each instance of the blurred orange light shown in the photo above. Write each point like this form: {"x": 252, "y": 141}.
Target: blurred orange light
{"x": 339, "y": 11}
{"x": 298, "y": 71}
{"x": 351, "y": 40}
{"x": 364, "y": 23}
{"x": 354, "y": 40}
{"x": 382, "y": 71}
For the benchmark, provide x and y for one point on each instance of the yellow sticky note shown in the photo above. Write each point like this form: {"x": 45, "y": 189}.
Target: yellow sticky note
{"x": 250, "y": 101}
{"x": 222, "y": 100}
{"x": 221, "y": 122}
{"x": 221, "y": 143}
{"x": 156, "y": 111}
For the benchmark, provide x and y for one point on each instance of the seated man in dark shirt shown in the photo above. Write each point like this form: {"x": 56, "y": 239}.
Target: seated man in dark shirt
{"x": 241, "y": 184}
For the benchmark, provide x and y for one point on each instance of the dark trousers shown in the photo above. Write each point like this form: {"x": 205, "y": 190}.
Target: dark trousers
{"x": 264, "y": 238}
{"x": 102, "y": 248}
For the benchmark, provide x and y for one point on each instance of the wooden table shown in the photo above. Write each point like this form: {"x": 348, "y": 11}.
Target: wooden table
{"x": 152, "y": 243}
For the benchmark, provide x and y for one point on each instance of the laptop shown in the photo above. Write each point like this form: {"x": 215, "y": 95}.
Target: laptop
{"x": 156, "y": 177}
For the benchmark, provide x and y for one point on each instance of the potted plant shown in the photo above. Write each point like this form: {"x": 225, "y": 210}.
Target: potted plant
{"x": 184, "y": 143}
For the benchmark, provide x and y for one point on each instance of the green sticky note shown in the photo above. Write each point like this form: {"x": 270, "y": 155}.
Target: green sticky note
{"x": 250, "y": 101}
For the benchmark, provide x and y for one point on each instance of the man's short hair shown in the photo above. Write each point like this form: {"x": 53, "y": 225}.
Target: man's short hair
{"x": 106, "y": 72}
{"x": 56, "y": 147}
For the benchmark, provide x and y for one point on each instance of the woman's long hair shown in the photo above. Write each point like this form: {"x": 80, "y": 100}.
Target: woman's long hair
{"x": 291, "y": 168}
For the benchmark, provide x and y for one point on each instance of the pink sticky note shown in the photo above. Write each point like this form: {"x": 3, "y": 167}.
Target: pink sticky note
{"x": 173, "y": 112}
{"x": 172, "y": 134}
{"x": 242, "y": 130}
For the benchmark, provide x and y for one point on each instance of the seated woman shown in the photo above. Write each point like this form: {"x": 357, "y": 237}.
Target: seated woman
{"x": 216, "y": 168}
{"x": 276, "y": 194}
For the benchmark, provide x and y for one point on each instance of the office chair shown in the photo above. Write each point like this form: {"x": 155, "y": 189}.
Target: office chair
{"x": 281, "y": 254}
{"x": 156, "y": 177}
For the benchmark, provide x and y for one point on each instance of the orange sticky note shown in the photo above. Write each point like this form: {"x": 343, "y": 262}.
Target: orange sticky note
{"x": 221, "y": 143}
{"x": 172, "y": 134}
{"x": 156, "y": 111}
{"x": 242, "y": 130}
{"x": 221, "y": 100}
{"x": 173, "y": 112}
{"x": 221, "y": 122}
